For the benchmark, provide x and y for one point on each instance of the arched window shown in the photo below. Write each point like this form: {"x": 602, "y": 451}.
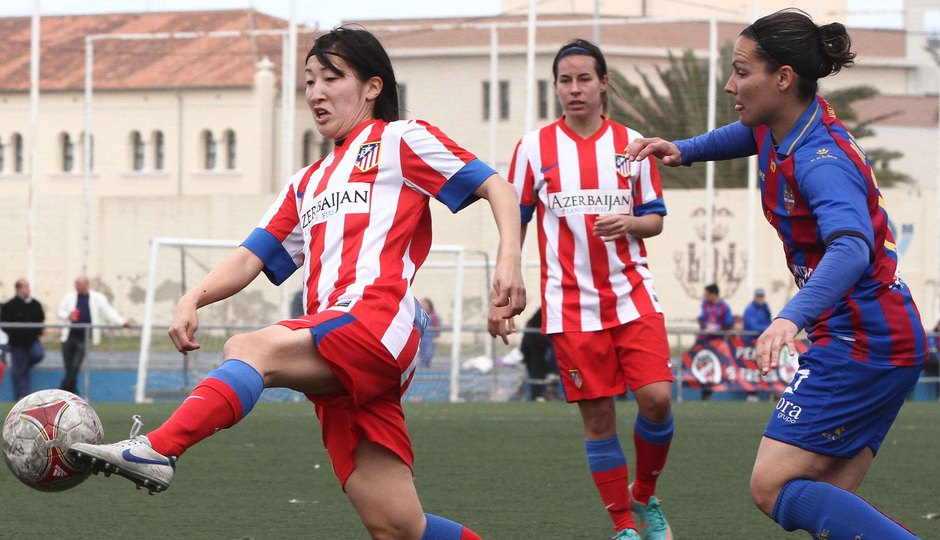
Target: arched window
{"x": 230, "y": 149}
{"x": 156, "y": 141}
{"x": 137, "y": 151}
{"x": 210, "y": 150}
{"x": 67, "y": 152}
{"x": 17, "y": 142}
{"x": 307, "y": 148}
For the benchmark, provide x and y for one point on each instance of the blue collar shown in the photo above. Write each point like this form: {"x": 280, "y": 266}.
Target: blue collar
{"x": 798, "y": 132}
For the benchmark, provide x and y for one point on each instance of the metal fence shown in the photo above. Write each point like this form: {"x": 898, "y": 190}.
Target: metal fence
{"x": 487, "y": 370}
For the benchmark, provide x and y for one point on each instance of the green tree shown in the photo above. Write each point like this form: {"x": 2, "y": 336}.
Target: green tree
{"x": 675, "y": 107}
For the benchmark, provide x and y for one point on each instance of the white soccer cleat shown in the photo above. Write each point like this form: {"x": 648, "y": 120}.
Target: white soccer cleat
{"x": 133, "y": 458}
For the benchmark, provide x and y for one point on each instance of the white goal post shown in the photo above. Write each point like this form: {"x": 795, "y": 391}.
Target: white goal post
{"x": 457, "y": 265}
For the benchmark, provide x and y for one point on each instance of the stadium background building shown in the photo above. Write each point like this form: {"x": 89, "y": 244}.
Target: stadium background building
{"x": 188, "y": 136}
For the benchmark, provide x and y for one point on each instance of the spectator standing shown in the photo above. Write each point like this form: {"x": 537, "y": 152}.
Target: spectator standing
{"x": 539, "y": 359}
{"x": 428, "y": 345}
{"x": 25, "y": 348}
{"x": 756, "y": 317}
{"x": 83, "y": 306}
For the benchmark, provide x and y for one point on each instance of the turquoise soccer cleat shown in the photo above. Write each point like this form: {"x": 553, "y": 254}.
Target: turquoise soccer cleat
{"x": 627, "y": 534}
{"x": 652, "y": 520}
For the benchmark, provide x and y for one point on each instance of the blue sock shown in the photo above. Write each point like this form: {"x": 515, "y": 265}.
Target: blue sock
{"x": 826, "y": 511}
{"x": 439, "y": 528}
{"x": 604, "y": 454}
{"x": 652, "y": 432}
{"x": 241, "y": 378}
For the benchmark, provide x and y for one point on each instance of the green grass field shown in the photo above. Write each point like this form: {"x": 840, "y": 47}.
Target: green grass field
{"x": 509, "y": 471}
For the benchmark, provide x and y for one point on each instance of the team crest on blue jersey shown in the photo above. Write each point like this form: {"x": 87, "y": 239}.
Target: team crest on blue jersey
{"x": 789, "y": 201}
{"x": 622, "y": 164}
{"x": 368, "y": 155}
{"x": 576, "y": 377}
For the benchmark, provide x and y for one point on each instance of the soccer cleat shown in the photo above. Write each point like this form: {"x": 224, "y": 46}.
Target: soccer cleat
{"x": 133, "y": 458}
{"x": 652, "y": 520}
{"x": 627, "y": 534}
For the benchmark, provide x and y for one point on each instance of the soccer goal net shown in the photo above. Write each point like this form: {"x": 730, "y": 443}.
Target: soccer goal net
{"x": 464, "y": 366}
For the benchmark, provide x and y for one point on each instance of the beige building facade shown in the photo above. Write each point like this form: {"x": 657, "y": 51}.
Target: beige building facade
{"x": 188, "y": 138}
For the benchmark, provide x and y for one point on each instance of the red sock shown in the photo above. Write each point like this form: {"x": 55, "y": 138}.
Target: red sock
{"x": 650, "y": 461}
{"x": 212, "y": 406}
{"x": 467, "y": 534}
{"x": 612, "y": 486}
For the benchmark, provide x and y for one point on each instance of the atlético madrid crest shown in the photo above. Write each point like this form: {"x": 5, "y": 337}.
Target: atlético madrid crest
{"x": 623, "y": 166}
{"x": 368, "y": 155}
{"x": 576, "y": 377}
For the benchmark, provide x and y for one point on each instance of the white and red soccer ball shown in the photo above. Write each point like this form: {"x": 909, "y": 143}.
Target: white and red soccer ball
{"x": 37, "y": 433}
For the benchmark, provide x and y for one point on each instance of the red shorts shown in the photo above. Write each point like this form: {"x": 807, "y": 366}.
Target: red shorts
{"x": 374, "y": 382}
{"x": 606, "y": 363}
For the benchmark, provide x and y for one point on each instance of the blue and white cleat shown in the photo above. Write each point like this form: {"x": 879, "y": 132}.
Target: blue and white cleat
{"x": 133, "y": 458}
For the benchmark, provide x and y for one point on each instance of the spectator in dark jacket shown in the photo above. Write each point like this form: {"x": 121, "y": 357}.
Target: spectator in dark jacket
{"x": 756, "y": 316}
{"x": 25, "y": 348}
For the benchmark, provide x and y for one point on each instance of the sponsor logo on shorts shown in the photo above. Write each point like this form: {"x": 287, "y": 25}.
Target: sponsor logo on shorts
{"x": 835, "y": 435}
{"x": 788, "y": 411}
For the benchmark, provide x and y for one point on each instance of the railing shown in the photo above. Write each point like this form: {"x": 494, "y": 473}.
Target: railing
{"x": 487, "y": 370}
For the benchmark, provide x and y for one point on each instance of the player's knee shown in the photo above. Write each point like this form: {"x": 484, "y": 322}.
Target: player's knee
{"x": 394, "y": 527}
{"x": 763, "y": 492}
{"x": 656, "y": 407}
{"x": 236, "y": 346}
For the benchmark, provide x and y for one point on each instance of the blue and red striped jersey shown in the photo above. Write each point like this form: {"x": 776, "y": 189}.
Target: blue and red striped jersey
{"x": 817, "y": 185}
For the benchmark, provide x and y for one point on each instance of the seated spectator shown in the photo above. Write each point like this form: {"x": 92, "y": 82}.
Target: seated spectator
{"x": 714, "y": 319}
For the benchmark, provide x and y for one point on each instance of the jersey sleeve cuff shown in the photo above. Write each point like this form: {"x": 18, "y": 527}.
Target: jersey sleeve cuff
{"x": 457, "y": 193}
{"x": 656, "y": 206}
{"x": 278, "y": 264}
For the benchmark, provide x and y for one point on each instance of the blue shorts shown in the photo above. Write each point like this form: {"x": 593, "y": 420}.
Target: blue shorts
{"x": 837, "y": 406}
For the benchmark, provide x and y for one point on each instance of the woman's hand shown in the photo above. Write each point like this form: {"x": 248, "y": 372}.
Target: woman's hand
{"x": 781, "y": 333}
{"x": 667, "y": 152}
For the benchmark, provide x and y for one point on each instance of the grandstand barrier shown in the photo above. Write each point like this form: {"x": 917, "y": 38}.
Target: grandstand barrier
{"x": 493, "y": 372}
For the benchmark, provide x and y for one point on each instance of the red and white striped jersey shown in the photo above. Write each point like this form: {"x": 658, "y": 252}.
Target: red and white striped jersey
{"x": 587, "y": 284}
{"x": 359, "y": 224}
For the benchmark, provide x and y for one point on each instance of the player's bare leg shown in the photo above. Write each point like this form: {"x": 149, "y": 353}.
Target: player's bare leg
{"x": 273, "y": 356}
{"x": 599, "y": 417}
{"x": 284, "y": 358}
{"x": 382, "y": 490}
{"x": 792, "y": 487}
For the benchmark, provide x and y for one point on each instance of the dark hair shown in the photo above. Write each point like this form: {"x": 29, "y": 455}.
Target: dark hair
{"x": 712, "y": 288}
{"x": 789, "y": 37}
{"x": 366, "y": 56}
{"x": 585, "y": 48}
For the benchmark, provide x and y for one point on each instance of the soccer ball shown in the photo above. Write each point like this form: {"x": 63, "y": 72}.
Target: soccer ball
{"x": 38, "y": 432}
